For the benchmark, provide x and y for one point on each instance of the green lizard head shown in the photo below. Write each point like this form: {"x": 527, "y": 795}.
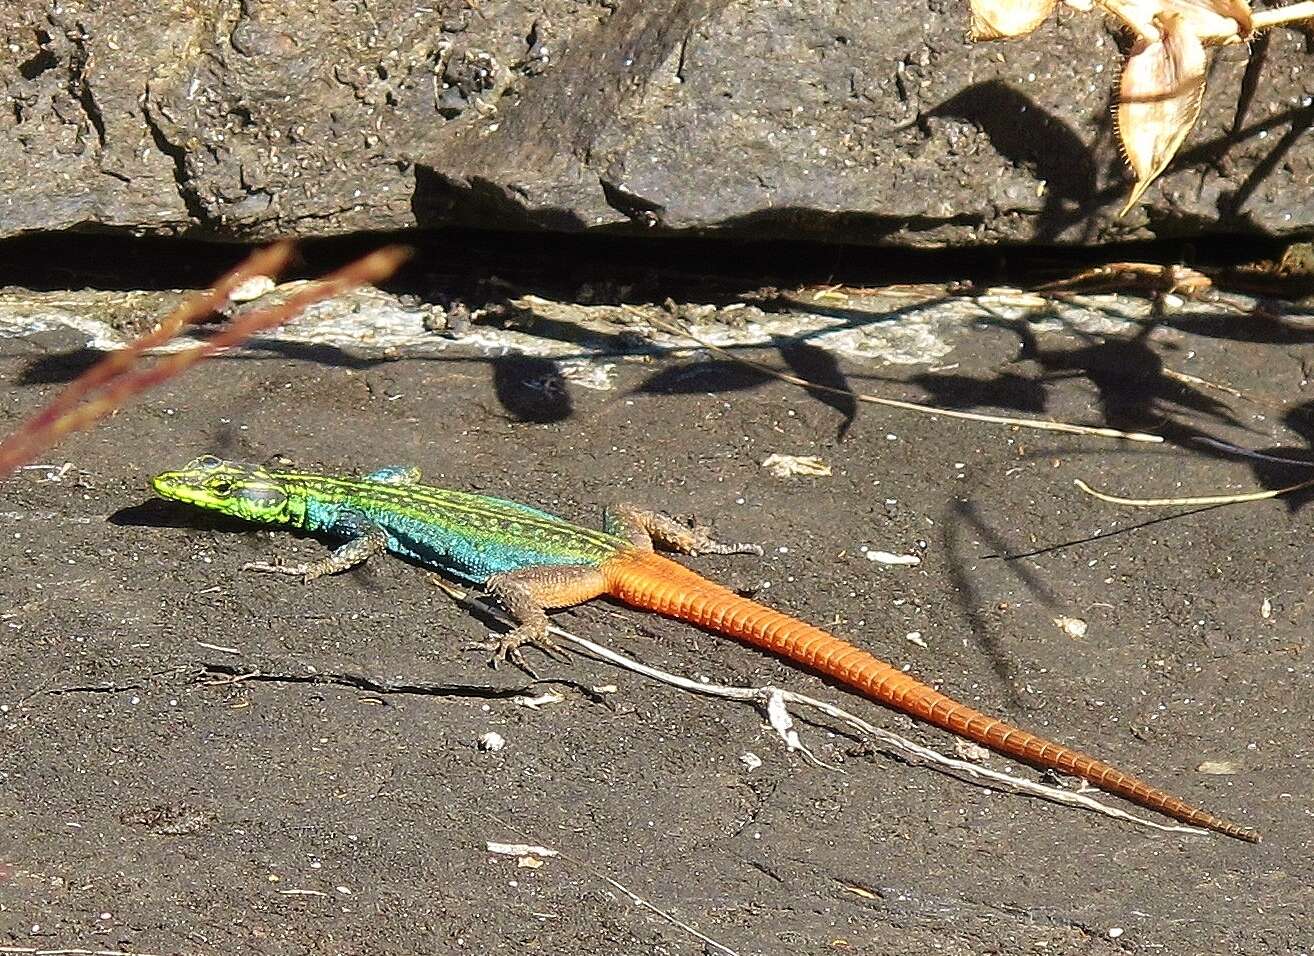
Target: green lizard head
{"x": 243, "y": 491}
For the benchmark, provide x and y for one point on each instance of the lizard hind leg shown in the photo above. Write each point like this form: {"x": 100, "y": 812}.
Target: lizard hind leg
{"x": 643, "y": 528}
{"x": 527, "y": 593}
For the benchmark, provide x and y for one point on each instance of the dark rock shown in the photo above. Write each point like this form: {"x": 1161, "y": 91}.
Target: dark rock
{"x": 825, "y": 119}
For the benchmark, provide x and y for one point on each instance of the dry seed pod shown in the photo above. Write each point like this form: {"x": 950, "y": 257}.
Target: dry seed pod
{"x": 1000, "y": 19}
{"x": 1159, "y": 99}
{"x": 1213, "y": 21}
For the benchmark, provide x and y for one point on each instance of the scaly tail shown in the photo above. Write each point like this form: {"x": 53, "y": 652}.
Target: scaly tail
{"x": 654, "y": 583}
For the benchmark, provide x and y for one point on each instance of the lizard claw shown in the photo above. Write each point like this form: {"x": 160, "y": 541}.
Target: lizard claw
{"x": 306, "y": 573}
{"x": 701, "y": 542}
{"x": 303, "y": 571}
{"x": 507, "y": 648}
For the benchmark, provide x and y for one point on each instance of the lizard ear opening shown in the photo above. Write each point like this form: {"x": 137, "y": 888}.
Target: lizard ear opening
{"x": 258, "y": 501}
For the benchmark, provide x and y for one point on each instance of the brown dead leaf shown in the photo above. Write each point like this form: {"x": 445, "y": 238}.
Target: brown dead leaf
{"x": 1001, "y": 19}
{"x": 1159, "y": 99}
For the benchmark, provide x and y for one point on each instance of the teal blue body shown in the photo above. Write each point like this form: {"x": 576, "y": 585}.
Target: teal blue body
{"x": 468, "y": 536}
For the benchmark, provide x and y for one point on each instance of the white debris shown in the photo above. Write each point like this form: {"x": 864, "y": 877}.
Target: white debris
{"x": 785, "y": 466}
{"x": 1222, "y": 768}
{"x": 542, "y": 700}
{"x": 491, "y": 742}
{"x": 886, "y": 557}
{"x": 1072, "y": 626}
{"x": 970, "y": 750}
{"x": 750, "y": 760}
{"x": 915, "y": 637}
{"x": 519, "y": 849}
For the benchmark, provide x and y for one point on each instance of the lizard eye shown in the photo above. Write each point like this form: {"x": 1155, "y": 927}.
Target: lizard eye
{"x": 222, "y": 488}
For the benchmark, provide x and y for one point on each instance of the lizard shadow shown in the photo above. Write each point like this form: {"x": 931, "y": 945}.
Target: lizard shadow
{"x": 158, "y": 513}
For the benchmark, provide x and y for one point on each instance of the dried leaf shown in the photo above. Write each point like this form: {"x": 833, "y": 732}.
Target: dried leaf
{"x": 1159, "y": 100}
{"x": 998, "y": 19}
{"x": 783, "y": 466}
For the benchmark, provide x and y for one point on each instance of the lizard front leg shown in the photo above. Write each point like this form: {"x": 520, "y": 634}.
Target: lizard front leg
{"x": 642, "y": 528}
{"x": 527, "y": 593}
{"x": 365, "y": 540}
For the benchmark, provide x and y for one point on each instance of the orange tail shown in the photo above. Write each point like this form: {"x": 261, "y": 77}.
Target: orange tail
{"x": 654, "y": 583}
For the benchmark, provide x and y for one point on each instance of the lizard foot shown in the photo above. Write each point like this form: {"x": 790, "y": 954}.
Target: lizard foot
{"x": 645, "y": 528}
{"x": 507, "y": 648}
{"x": 306, "y": 572}
{"x": 704, "y": 543}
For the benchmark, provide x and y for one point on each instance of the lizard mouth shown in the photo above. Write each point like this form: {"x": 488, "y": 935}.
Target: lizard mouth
{"x": 170, "y": 485}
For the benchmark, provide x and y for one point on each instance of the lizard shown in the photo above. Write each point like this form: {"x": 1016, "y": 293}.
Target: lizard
{"x": 532, "y": 561}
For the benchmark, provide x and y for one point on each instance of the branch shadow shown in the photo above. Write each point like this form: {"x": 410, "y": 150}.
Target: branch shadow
{"x": 986, "y": 628}
{"x": 1273, "y": 474}
{"x": 531, "y": 389}
{"x": 1133, "y": 391}
{"x": 822, "y": 368}
{"x": 1026, "y": 134}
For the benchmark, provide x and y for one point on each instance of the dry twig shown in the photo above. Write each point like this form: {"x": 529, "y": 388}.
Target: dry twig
{"x": 1195, "y": 500}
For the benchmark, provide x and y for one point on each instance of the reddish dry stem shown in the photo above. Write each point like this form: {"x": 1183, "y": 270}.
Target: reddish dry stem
{"x": 27, "y": 441}
{"x": 119, "y": 382}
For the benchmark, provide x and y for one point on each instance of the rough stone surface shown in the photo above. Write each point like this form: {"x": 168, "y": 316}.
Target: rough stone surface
{"x": 832, "y": 119}
{"x": 208, "y": 762}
